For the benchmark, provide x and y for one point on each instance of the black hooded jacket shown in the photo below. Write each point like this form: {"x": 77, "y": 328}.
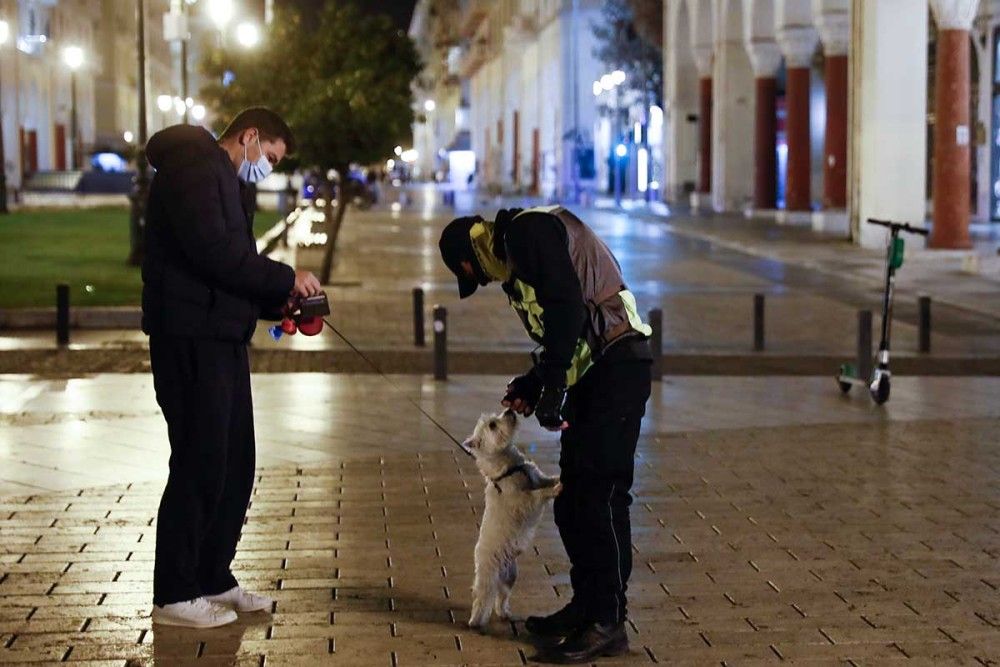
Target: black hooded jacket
{"x": 202, "y": 276}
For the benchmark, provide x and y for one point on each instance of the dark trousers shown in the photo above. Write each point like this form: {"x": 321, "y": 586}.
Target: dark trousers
{"x": 597, "y": 461}
{"x": 203, "y": 388}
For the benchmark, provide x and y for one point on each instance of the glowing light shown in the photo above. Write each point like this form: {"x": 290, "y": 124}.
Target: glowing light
{"x": 396, "y": 207}
{"x": 410, "y": 155}
{"x": 189, "y": 102}
{"x": 430, "y": 105}
{"x": 164, "y": 102}
{"x": 221, "y": 12}
{"x": 398, "y": 150}
{"x": 73, "y": 57}
{"x": 654, "y": 185}
{"x": 247, "y": 34}
{"x": 390, "y": 164}
{"x": 4, "y": 32}
{"x": 127, "y": 136}
{"x": 598, "y": 89}
{"x": 618, "y": 77}
{"x": 621, "y": 150}
{"x": 606, "y": 82}
{"x": 642, "y": 169}
{"x": 637, "y": 133}
{"x": 179, "y": 106}
{"x": 198, "y": 112}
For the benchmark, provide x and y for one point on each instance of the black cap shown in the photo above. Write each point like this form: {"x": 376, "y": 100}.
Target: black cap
{"x": 456, "y": 247}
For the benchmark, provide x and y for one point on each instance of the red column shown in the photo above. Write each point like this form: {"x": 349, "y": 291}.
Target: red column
{"x": 951, "y": 156}
{"x": 765, "y": 174}
{"x": 835, "y": 144}
{"x": 705, "y": 137}
{"x": 797, "y": 195}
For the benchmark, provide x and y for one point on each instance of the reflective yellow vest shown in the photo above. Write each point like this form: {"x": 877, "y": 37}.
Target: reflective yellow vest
{"x": 612, "y": 311}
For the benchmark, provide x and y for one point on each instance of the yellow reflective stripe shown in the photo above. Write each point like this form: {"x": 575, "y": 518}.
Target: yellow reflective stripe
{"x": 528, "y": 304}
{"x": 582, "y": 361}
{"x": 633, "y": 313}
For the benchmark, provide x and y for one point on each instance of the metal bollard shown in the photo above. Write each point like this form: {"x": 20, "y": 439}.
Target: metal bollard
{"x": 656, "y": 342}
{"x": 924, "y": 303}
{"x": 864, "y": 344}
{"x": 418, "y": 317}
{"x": 440, "y": 343}
{"x": 758, "y": 322}
{"x": 62, "y": 314}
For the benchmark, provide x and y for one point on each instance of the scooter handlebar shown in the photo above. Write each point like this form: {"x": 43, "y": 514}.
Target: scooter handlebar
{"x": 902, "y": 226}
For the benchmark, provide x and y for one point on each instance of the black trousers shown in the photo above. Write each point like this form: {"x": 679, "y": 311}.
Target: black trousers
{"x": 597, "y": 461}
{"x": 203, "y": 388}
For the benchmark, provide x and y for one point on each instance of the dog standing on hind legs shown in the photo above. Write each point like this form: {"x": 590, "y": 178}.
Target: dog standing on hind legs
{"x": 517, "y": 492}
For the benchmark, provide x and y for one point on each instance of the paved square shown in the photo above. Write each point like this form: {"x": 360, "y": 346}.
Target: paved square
{"x": 773, "y": 521}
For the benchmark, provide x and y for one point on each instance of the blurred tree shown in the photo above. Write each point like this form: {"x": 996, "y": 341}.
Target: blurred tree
{"x": 621, "y": 45}
{"x": 648, "y": 20}
{"x": 340, "y": 78}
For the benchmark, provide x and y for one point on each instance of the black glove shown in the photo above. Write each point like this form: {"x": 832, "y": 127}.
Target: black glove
{"x": 527, "y": 387}
{"x": 549, "y": 407}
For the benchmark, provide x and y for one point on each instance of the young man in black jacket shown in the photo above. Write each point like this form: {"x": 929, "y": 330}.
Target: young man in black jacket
{"x": 204, "y": 287}
{"x": 590, "y": 381}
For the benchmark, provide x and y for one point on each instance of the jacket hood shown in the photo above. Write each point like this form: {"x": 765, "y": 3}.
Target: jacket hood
{"x": 180, "y": 144}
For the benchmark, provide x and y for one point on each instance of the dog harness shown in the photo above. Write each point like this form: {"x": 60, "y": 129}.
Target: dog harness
{"x": 507, "y": 473}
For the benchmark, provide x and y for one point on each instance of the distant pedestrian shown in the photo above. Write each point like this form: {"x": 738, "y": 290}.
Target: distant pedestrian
{"x": 204, "y": 287}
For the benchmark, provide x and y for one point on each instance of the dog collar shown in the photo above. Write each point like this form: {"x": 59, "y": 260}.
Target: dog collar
{"x": 507, "y": 473}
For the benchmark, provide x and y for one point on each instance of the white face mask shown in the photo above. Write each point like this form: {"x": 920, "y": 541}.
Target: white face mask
{"x": 254, "y": 172}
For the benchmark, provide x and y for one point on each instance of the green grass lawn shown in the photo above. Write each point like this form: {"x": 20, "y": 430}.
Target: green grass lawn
{"x": 84, "y": 248}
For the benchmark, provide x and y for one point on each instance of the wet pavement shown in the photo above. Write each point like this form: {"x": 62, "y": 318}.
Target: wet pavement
{"x": 774, "y": 520}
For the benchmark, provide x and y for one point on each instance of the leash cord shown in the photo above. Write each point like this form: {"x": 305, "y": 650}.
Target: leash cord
{"x": 385, "y": 377}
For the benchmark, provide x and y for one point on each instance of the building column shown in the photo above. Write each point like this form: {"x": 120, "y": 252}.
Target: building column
{"x": 888, "y": 119}
{"x": 798, "y": 44}
{"x": 765, "y": 57}
{"x": 952, "y": 168}
{"x": 703, "y": 61}
{"x": 835, "y": 34}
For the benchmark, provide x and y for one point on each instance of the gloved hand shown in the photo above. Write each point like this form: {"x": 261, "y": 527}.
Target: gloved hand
{"x": 549, "y": 408}
{"x": 522, "y": 393}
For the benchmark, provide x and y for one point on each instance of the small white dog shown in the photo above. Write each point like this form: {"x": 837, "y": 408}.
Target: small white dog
{"x": 516, "y": 495}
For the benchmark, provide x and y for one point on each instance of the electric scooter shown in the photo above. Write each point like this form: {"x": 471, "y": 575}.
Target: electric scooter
{"x": 880, "y": 381}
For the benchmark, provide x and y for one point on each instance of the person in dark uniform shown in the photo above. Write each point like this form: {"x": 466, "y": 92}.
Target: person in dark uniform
{"x": 591, "y": 381}
{"x": 204, "y": 287}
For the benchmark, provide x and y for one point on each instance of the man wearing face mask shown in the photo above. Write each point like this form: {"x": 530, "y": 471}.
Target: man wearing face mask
{"x": 204, "y": 287}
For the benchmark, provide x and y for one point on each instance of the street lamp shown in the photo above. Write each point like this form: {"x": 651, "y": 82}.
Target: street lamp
{"x": 247, "y": 34}
{"x": 611, "y": 82}
{"x": 164, "y": 103}
{"x": 73, "y": 57}
{"x": 4, "y": 37}
{"x": 221, "y": 13}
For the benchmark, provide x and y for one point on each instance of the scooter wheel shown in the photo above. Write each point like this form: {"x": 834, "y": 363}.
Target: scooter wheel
{"x": 881, "y": 392}
{"x": 844, "y": 386}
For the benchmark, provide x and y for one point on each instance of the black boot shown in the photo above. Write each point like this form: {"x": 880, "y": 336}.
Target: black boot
{"x": 558, "y": 625}
{"x": 592, "y": 641}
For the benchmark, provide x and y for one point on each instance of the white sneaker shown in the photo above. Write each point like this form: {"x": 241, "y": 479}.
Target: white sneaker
{"x": 238, "y": 599}
{"x": 197, "y": 613}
